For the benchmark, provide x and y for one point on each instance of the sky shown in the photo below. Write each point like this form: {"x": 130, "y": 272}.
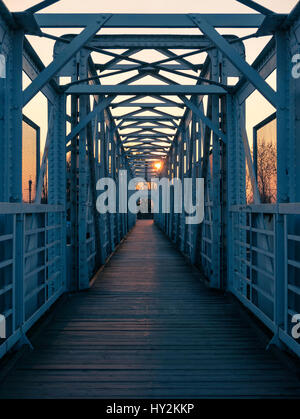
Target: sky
{"x": 36, "y": 110}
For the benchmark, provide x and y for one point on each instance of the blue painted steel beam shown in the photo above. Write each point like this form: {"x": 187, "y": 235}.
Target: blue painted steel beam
{"x": 142, "y": 158}
{"x": 164, "y": 102}
{"x": 144, "y": 141}
{"x": 146, "y": 155}
{"x": 138, "y": 125}
{"x": 116, "y": 60}
{"x": 148, "y": 131}
{"x": 184, "y": 62}
{"x": 123, "y": 102}
{"x": 131, "y": 114}
{"x": 162, "y": 113}
{"x": 159, "y": 97}
{"x": 15, "y": 126}
{"x": 147, "y": 136}
{"x": 148, "y": 148}
{"x": 27, "y": 22}
{"x": 133, "y": 66}
{"x": 140, "y": 119}
{"x": 151, "y": 119}
{"x": 271, "y": 24}
{"x": 148, "y": 105}
{"x": 60, "y": 20}
{"x": 146, "y": 41}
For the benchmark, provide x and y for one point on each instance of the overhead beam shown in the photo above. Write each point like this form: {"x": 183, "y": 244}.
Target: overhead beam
{"x": 166, "y": 114}
{"x": 149, "y": 131}
{"x": 146, "y": 155}
{"x": 148, "y": 105}
{"x": 116, "y": 60}
{"x": 131, "y": 114}
{"x": 146, "y": 127}
{"x": 147, "y": 158}
{"x": 123, "y": 102}
{"x": 146, "y": 89}
{"x": 126, "y": 67}
{"x": 50, "y": 71}
{"x": 142, "y": 141}
{"x": 146, "y": 136}
{"x": 151, "y": 119}
{"x": 146, "y": 41}
{"x": 182, "y": 61}
{"x": 147, "y": 148}
{"x": 234, "y": 57}
{"x": 160, "y": 97}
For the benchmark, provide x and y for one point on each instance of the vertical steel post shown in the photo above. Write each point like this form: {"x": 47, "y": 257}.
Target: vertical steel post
{"x": 57, "y": 186}
{"x": 215, "y": 280}
{"x": 83, "y": 183}
{"x": 18, "y": 289}
{"x": 231, "y": 175}
{"x": 15, "y": 157}
{"x": 284, "y": 168}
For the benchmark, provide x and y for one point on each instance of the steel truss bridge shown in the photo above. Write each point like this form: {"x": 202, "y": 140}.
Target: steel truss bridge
{"x": 123, "y": 101}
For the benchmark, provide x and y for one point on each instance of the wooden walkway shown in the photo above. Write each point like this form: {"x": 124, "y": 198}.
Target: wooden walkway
{"x": 149, "y": 329}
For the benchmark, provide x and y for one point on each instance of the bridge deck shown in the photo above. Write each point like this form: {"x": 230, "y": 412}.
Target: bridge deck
{"x": 149, "y": 328}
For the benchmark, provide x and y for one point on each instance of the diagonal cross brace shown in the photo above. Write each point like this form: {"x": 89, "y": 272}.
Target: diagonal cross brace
{"x": 234, "y": 57}
{"x": 58, "y": 63}
{"x": 255, "y": 6}
{"x": 41, "y": 5}
{"x": 256, "y": 195}
{"x": 197, "y": 111}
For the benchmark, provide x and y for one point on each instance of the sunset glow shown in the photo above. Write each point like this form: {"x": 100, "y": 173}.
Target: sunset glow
{"x": 158, "y": 165}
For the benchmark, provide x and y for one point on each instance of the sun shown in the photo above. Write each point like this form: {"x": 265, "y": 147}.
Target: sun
{"x": 158, "y": 165}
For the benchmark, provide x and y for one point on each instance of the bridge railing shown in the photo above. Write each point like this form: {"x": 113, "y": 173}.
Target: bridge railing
{"x": 264, "y": 264}
{"x": 32, "y": 265}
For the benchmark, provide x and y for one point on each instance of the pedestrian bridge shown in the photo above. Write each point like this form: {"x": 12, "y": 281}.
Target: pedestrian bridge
{"x": 103, "y": 304}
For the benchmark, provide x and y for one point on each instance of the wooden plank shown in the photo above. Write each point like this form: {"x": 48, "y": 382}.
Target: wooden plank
{"x": 149, "y": 328}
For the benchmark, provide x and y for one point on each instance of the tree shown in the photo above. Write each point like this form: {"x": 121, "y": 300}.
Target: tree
{"x": 267, "y": 171}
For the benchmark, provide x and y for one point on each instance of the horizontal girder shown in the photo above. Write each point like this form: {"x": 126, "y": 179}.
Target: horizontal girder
{"x": 150, "y": 41}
